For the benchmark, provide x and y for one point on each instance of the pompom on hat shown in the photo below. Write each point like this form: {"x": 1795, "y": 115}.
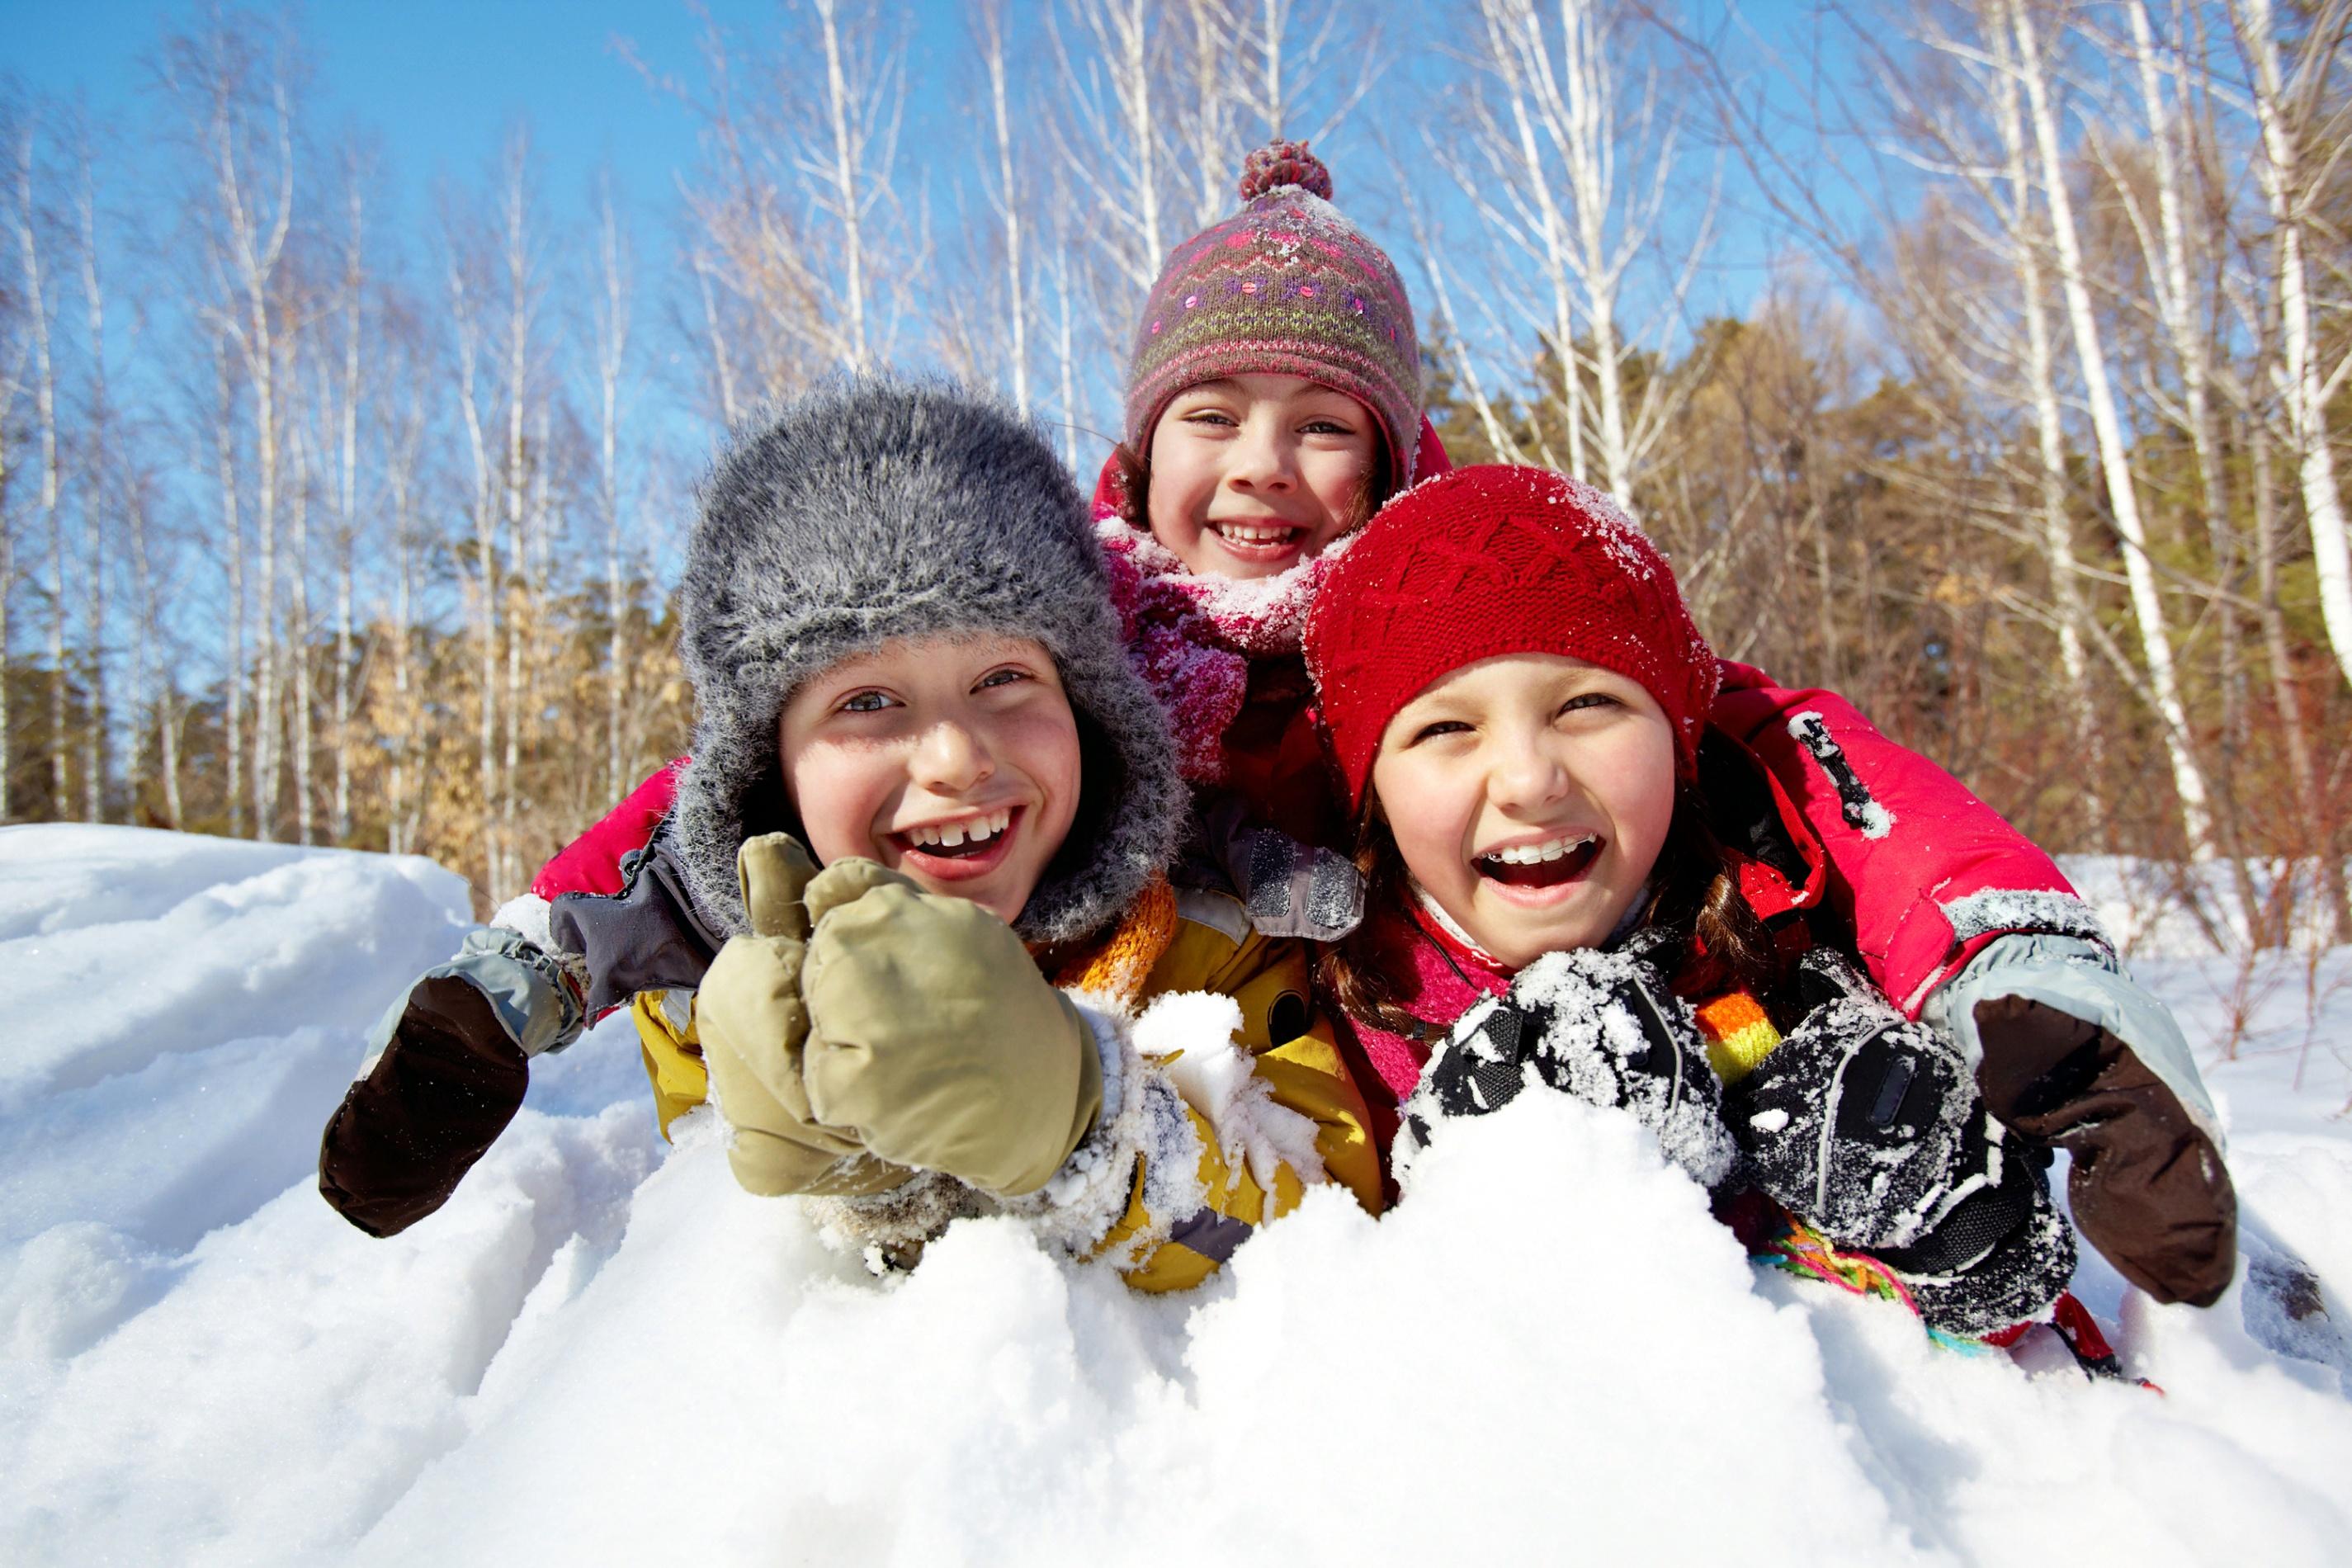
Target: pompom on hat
{"x": 1286, "y": 287}
{"x": 1490, "y": 560}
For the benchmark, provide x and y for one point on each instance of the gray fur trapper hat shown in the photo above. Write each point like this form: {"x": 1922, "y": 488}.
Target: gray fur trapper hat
{"x": 876, "y": 508}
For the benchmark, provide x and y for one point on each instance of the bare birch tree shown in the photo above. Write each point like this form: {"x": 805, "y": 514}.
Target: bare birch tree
{"x": 1569, "y": 170}
{"x": 466, "y": 284}
{"x": 1005, "y": 195}
{"x": 99, "y": 466}
{"x": 798, "y": 225}
{"x": 614, "y": 294}
{"x": 2287, "y": 102}
{"x": 2033, "y": 67}
{"x": 237, "y": 92}
{"x": 27, "y": 223}
{"x": 349, "y": 308}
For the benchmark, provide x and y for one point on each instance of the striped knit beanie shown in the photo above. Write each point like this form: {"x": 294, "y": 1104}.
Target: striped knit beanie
{"x": 1490, "y": 560}
{"x": 1289, "y": 286}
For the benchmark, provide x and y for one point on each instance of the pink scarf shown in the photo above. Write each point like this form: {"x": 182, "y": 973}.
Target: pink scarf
{"x": 1191, "y": 636}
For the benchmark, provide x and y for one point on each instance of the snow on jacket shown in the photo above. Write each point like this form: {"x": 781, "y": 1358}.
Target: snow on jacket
{"x": 1228, "y": 1007}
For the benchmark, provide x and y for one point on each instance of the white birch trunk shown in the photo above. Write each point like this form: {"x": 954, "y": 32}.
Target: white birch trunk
{"x": 1008, "y": 201}
{"x": 611, "y": 348}
{"x": 7, "y": 581}
{"x": 2148, "y": 605}
{"x": 98, "y": 467}
{"x": 1065, "y": 356}
{"x": 304, "y": 714}
{"x": 849, "y": 185}
{"x": 465, "y": 312}
{"x": 347, "y": 509}
{"x": 233, "y": 539}
{"x": 2302, "y": 767}
{"x": 2057, "y": 527}
{"x": 45, "y": 405}
{"x": 2299, "y": 378}
{"x": 722, "y": 363}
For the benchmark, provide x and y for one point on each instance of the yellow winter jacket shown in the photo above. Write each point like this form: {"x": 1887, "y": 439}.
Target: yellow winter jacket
{"x": 1213, "y": 949}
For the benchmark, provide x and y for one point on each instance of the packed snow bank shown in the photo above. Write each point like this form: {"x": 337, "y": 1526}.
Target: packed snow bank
{"x": 602, "y": 1351}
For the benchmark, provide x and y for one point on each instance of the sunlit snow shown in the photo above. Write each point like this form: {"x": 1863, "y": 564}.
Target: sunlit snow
{"x": 602, "y": 1352}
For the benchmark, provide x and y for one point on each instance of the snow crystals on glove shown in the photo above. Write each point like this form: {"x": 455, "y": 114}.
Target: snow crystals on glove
{"x": 1604, "y": 1027}
{"x": 1857, "y": 1120}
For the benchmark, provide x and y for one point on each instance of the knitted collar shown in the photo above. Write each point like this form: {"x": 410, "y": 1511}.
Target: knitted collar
{"x": 1255, "y": 616}
{"x": 1118, "y": 967}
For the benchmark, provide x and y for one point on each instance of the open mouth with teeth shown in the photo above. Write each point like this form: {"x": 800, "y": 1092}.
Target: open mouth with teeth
{"x": 969, "y": 843}
{"x": 1263, "y": 540}
{"x": 1545, "y": 865}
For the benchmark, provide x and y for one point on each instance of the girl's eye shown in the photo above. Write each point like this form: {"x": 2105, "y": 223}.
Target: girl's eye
{"x": 1002, "y": 678}
{"x": 1325, "y": 427}
{"x": 1442, "y": 727}
{"x": 865, "y": 702}
{"x": 1216, "y": 416}
{"x": 1588, "y": 700}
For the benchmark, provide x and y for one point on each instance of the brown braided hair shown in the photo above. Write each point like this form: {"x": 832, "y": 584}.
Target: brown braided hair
{"x": 1693, "y": 887}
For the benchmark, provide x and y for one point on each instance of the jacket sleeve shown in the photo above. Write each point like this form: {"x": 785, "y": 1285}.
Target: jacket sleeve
{"x": 1925, "y": 872}
{"x": 592, "y": 862}
{"x": 672, "y": 1052}
{"x": 449, "y": 1072}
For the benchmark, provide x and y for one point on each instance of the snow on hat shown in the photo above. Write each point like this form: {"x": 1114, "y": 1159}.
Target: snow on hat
{"x": 1286, "y": 287}
{"x": 1490, "y": 560}
{"x": 878, "y": 508}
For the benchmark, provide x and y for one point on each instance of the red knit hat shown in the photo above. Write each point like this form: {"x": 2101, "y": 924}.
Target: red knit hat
{"x": 1490, "y": 560}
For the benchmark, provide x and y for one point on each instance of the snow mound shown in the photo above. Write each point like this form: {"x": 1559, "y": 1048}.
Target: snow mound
{"x": 602, "y": 1352}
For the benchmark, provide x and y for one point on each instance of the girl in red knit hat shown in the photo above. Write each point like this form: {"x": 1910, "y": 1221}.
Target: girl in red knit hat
{"x": 1575, "y": 879}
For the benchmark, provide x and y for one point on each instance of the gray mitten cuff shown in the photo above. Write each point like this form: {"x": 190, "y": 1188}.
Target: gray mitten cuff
{"x": 2083, "y": 980}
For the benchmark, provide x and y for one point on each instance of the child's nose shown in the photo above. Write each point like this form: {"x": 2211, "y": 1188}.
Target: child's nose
{"x": 951, "y": 758}
{"x": 1524, "y": 772}
{"x": 1263, "y": 458}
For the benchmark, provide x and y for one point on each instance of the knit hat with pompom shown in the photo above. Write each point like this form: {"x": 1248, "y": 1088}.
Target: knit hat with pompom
{"x": 1491, "y": 560}
{"x": 1288, "y": 287}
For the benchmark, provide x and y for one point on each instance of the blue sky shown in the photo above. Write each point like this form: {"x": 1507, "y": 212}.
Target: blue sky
{"x": 440, "y": 82}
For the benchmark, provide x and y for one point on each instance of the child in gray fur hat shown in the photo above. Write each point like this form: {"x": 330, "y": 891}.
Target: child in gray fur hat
{"x": 904, "y": 662}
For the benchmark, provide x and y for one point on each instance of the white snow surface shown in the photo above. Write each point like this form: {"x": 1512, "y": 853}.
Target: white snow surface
{"x": 604, "y": 1351}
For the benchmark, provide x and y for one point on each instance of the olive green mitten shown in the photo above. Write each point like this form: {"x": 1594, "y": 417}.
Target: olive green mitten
{"x": 753, "y": 1028}
{"x": 934, "y": 1034}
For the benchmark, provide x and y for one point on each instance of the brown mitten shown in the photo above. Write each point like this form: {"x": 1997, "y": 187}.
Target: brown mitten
{"x": 2148, "y": 1188}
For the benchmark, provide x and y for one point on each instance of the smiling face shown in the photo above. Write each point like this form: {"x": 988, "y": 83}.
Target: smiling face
{"x": 1252, "y": 474}
{"x": 1530, "y": 795}
{"x": 954, "y": 759}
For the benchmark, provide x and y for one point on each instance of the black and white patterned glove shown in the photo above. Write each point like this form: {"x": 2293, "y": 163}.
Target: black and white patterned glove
{"x": 1602, "y": 1026}
{"x": 1856, "y": 1121}
{"x": 1871, "y": 1129}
